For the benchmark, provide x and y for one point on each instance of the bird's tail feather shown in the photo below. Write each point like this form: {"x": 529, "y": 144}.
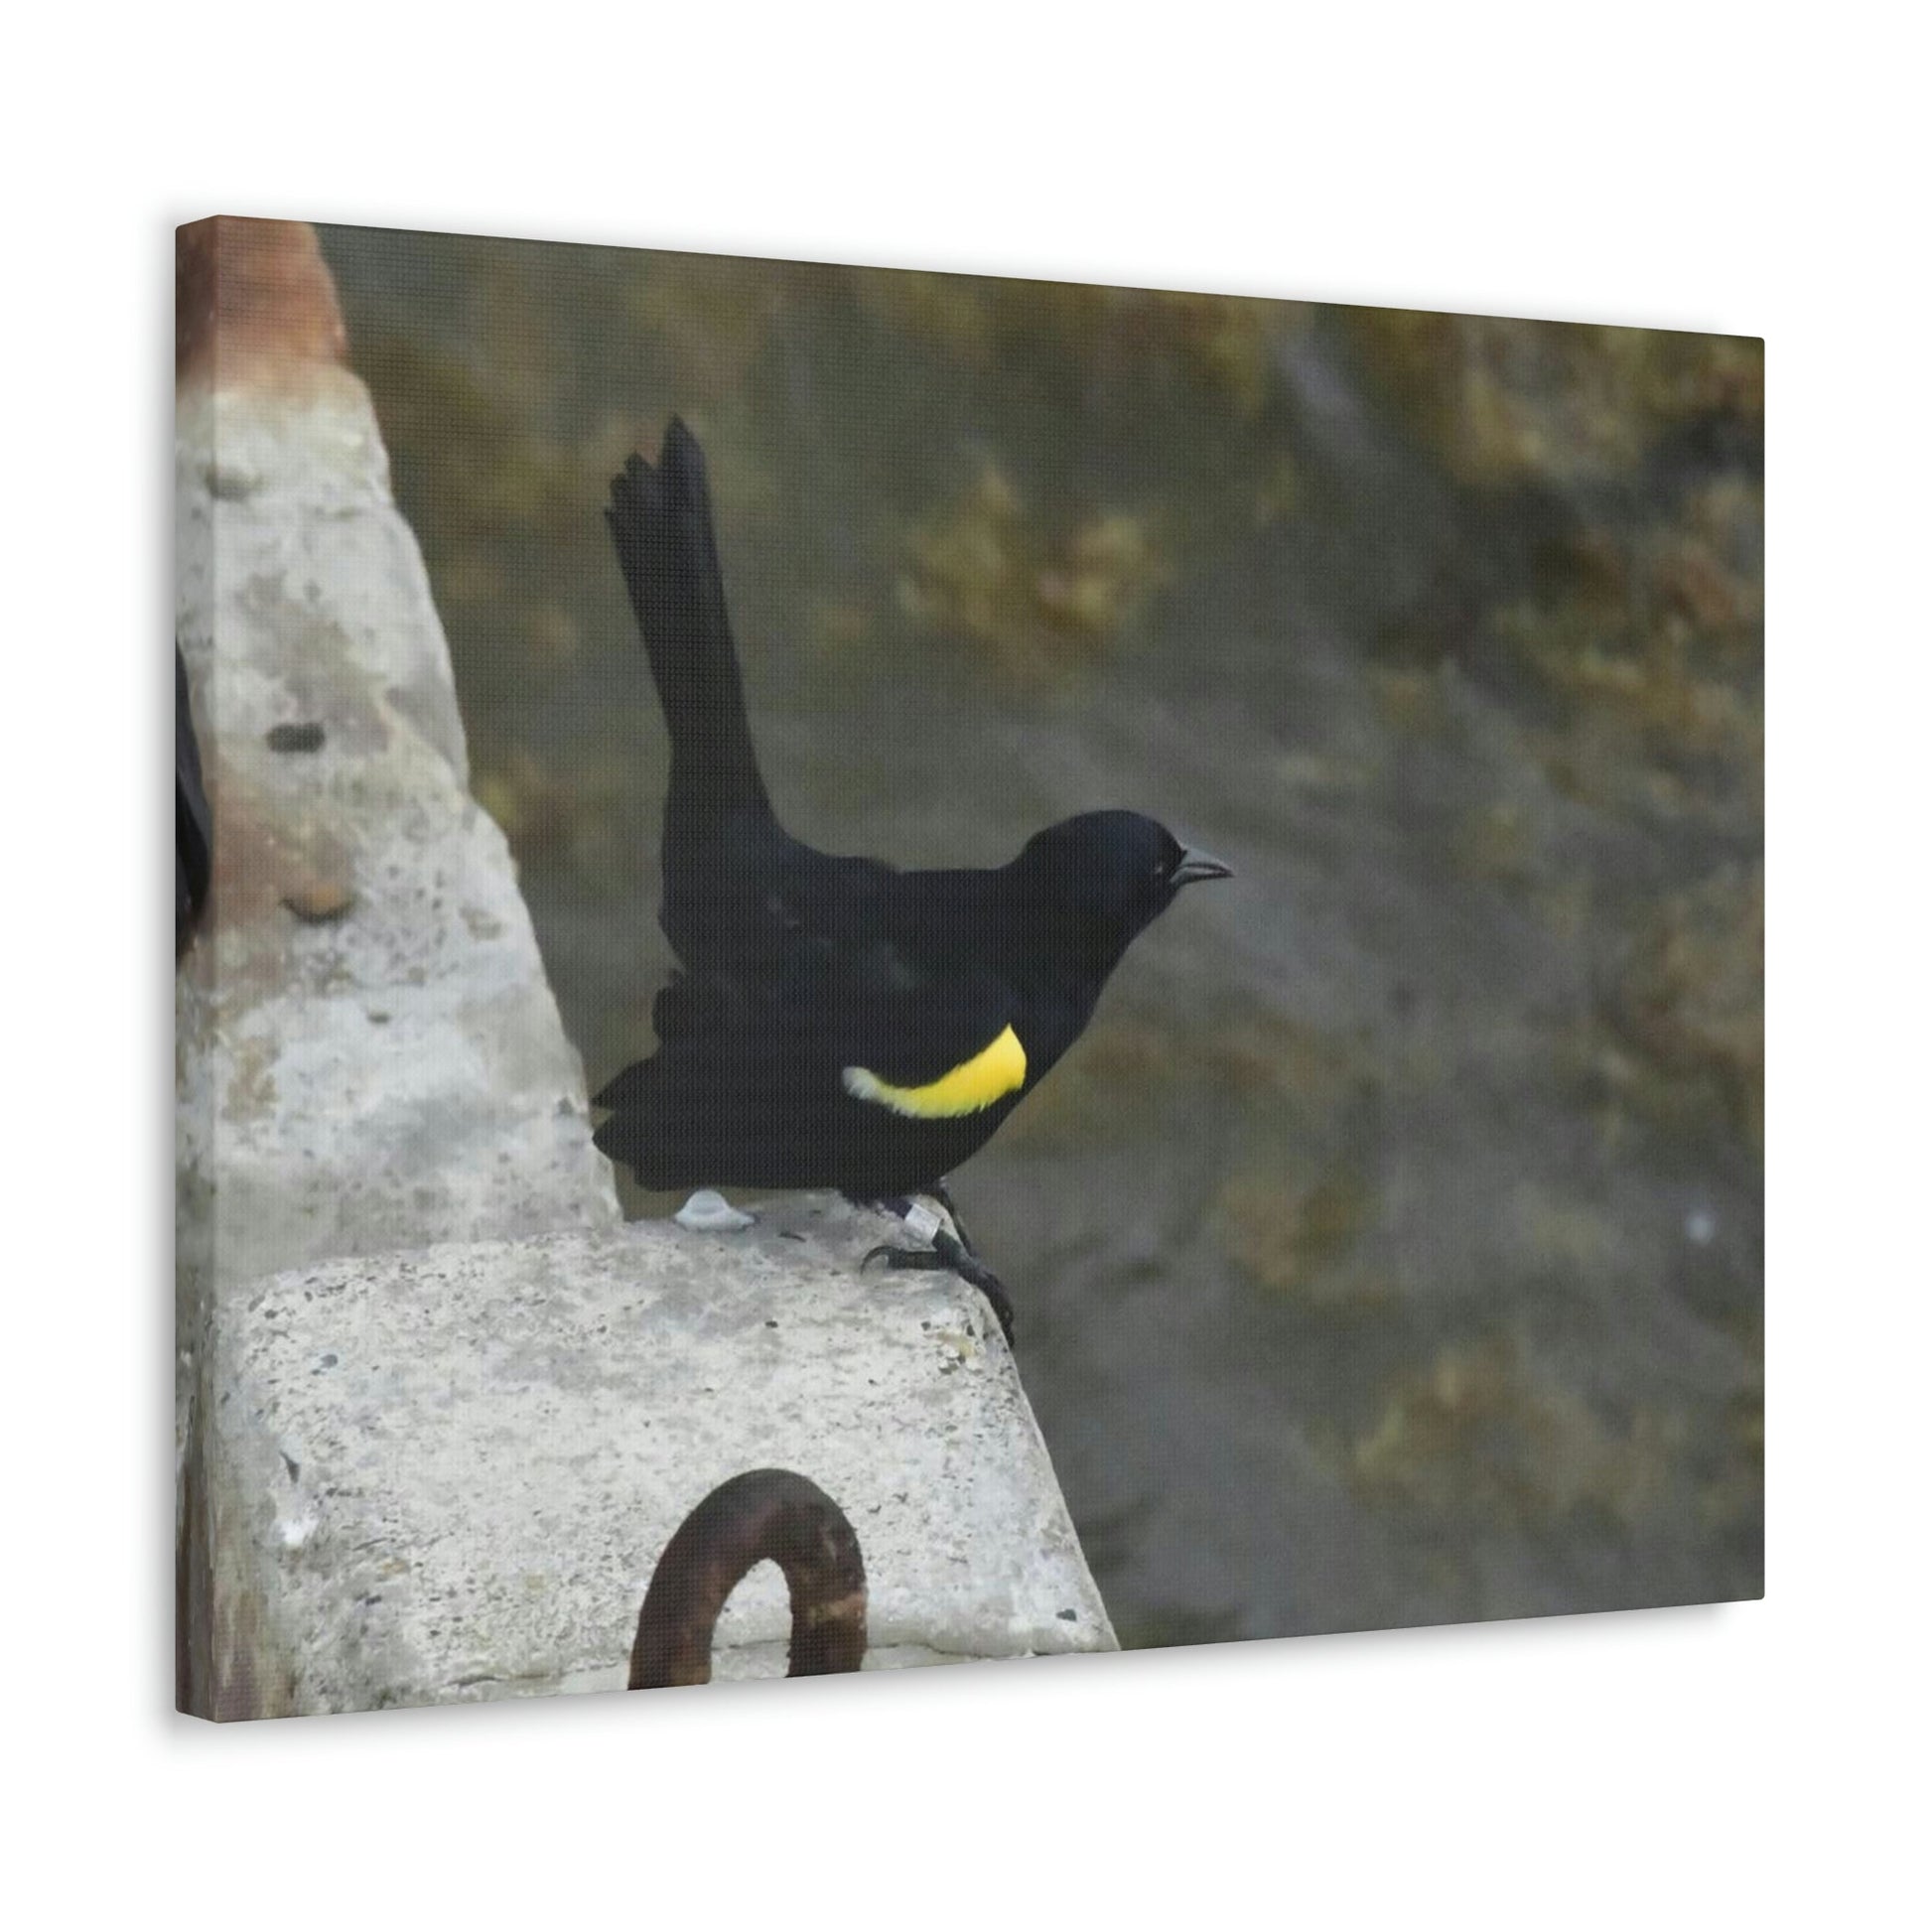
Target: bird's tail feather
{"x": 660, "y": 522}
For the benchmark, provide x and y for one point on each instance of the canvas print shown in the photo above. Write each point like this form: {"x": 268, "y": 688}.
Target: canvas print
{"x": 878, "y": 968}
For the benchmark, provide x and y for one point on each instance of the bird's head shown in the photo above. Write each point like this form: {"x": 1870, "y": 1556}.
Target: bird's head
{"x": 1107, "y": 874}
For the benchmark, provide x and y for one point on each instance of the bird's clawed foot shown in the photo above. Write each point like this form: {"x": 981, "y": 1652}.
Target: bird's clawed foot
{"x": 948, "y": 1251}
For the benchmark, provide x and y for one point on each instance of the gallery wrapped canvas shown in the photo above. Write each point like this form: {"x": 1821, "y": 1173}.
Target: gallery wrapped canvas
{"x": 878, "y": 968}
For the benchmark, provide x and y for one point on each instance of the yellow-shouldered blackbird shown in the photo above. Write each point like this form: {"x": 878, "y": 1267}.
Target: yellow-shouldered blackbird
{"x": 837, "y": 1023}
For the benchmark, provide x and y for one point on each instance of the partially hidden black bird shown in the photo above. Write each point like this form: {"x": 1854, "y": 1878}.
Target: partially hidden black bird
{"x": 834, "y": 1022}
{"x": 194, "y": 823}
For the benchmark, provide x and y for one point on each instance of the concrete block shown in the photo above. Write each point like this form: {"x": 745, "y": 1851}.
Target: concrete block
{"x": 446, "y": 1475}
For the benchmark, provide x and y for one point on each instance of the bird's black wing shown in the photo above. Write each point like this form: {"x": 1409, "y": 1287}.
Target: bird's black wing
{"x": 831, "y": 1007}
{"x": 767, "y": 1080}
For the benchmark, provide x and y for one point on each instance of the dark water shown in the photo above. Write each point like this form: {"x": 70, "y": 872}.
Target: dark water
{"x": 1390, "y": 1249}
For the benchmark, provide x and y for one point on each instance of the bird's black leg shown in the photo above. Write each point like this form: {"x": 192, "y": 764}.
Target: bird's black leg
{"x": 948, "y": 1251}
{"x": 942, "y": 1194}
{"x": 983, "y": 1279}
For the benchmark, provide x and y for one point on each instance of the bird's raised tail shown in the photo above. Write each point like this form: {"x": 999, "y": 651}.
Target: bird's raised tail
{"x": 660, "y": 522}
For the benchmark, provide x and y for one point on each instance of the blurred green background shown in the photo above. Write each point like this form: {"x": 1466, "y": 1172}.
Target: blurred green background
{"x": 1390, "y": 1251}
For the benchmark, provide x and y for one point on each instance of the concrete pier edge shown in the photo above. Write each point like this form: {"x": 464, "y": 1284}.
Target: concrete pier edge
{"x": 436, "y": 1405}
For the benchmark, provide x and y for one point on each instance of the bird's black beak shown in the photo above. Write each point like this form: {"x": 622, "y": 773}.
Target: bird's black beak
{"x": 1197, "y": 866}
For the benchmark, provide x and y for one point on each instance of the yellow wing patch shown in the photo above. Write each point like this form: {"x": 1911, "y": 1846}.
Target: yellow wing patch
{"x": 971, "y": 1085}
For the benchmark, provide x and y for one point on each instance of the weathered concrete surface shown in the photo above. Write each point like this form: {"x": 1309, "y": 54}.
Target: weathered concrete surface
{"x": 414, "y": 1471}
{"x": 368, "y": 1052}
{"x": 454, "y": 1470}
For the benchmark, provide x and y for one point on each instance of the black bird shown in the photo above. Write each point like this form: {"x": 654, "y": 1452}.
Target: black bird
{"x": 194, "y": 824}
{"x": 838, "y": 1023}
